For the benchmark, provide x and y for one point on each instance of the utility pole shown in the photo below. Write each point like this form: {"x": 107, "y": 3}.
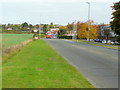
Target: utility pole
{"x": 73, "y": 31}
{"x": 39, "y": 30}
{"x": 76, "y": 30}
{"x": 88, "y": 20}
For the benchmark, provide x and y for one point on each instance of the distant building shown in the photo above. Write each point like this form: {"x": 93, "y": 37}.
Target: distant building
{"x": 54, "y": 30}
{"x": 10, "y": 29}
{"x": 35, "y": 30}
{"x": 106, "y": 31}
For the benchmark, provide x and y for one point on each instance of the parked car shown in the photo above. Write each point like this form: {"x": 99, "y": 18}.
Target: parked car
{"x": 116, "y": 43}
{"x": 109, "y": 41}
{"x": 97, "y": 40}
{"x": 54, "y": 36}
{"x": 49, "y": 36}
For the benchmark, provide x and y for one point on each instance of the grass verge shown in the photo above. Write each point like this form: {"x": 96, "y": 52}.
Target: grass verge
{"x": 11, "y": 51}
{"x": 38, "y": 66}
{"x": 98, "y": 44}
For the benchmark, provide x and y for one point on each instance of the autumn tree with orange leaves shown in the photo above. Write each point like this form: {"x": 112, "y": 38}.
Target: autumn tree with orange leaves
{"x": 82, "y": 32}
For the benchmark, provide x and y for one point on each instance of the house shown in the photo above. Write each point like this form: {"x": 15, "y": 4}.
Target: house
{"x": 54, "y": 30}
{"x": 107, "y": 32}
{"x": 35, "y": 30}
{"x": 9, "y": 29}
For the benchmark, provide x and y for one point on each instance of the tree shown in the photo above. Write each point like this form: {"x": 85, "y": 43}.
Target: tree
{"x": 4, "y": 27}
{"x": 37, "y": 26}
{"x": 10, "y": 26}
{"x": 25, "y": 25}
{"x": 62, "y": 30}
{"x": 16, "y": 27}
{"x": 82, "y": 31}
{"x": 69, "y": 27}
{"x": 51, "y": 25}
{"x": 93, "y": 32}
{"x": 30, "y": 26}
{"x": 115, "y": 24}
{"x": 44, "y": 28}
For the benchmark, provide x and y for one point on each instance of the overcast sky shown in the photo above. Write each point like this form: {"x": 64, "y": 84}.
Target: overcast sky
{"x": 56, "y": 11}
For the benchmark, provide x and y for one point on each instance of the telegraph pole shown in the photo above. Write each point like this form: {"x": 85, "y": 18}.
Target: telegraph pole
{"x": 76, "y": 30}
{"x": 88, "y": 20}
{"x": 73, "y": 31}
{"x": 39, "y": 30}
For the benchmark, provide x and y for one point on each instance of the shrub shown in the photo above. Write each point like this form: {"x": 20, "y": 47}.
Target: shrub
{"x": 64, "y": 37}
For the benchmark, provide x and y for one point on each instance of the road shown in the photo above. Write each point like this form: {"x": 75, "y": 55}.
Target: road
{"x": 98, "y": 64}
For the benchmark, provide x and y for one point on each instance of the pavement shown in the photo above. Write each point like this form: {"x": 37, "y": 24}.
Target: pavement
{"x": 98, "y": 64}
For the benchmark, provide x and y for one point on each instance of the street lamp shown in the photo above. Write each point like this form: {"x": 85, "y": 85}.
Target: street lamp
{"x": 74, "y": 30}
{"x": 88, "y": 20}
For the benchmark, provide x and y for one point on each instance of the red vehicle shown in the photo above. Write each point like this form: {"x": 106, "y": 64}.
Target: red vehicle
{"x": 49, "y": 34}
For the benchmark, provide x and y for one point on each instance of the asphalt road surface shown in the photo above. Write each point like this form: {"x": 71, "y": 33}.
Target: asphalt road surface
{"x": 98, "y": 64}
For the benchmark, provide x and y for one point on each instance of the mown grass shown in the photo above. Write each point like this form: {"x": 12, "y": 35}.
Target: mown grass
{"x": 38, "y": 66}
{"x": 13, "y": 39}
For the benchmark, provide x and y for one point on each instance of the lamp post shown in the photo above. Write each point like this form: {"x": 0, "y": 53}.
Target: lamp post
{"x": 88, "y": 20}
{"x": 74, "y": 30}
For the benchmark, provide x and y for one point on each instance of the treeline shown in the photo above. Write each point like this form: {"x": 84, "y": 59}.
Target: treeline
{"x": 26, "y": 28}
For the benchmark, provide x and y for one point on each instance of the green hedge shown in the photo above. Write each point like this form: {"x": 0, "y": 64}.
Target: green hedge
{"x": 36, "y": 35}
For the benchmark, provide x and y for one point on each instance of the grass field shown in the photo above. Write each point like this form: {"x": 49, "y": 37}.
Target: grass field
{"x": 12, "y": 39}
{"x": 37, "y": 65}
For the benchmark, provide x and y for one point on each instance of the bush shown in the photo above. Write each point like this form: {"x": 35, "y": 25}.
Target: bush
{"x": 36, "y": 35}
{"x": 64, "y": 37}
{"x": 43, "y": 35}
